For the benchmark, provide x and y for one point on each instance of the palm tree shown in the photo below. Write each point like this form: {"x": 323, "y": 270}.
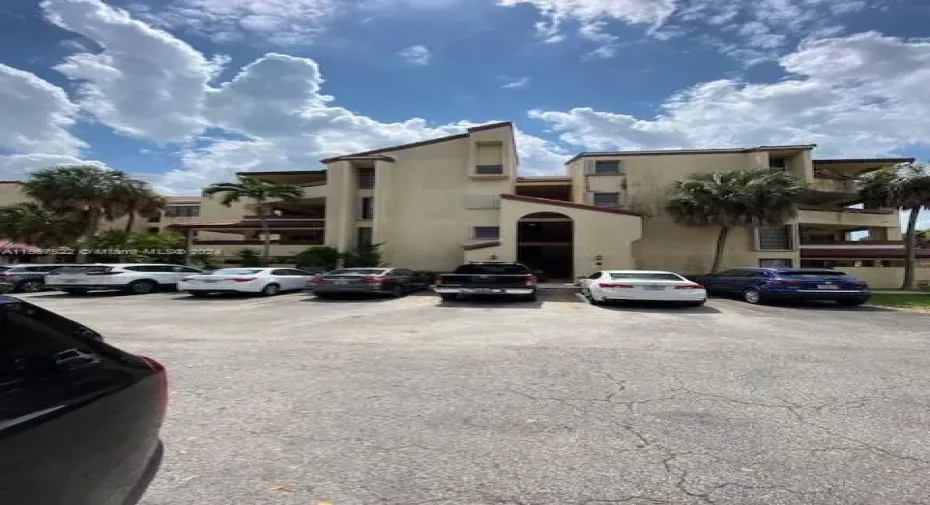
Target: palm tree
{"x": 731, "y": 199}
{"x": 134, "y": 198}
{"x": 33, "y": 224}
{"x": 905, "y": 187}
{"x": 86, "y": 190}
{"x": 261, "y": 193}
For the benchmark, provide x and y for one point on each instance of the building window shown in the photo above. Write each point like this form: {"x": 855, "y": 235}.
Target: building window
{"x": 486, "y": 232}
{"x": 367, "y": 208}
{"x": 489, "y": 169}
{"x": 607, "y": 168}
{"x": 182, "y": 211}
{"x": 776, "y": 263}
{"x": 775, "y": 238}
{"x": 780, "y": 163}
{"x": 155, "y": 219}
{"x": 364, "y": 237}
{"x": 366, "y": 178}
{"x": 478, "y": 202}
{"x": 607, "y": 199}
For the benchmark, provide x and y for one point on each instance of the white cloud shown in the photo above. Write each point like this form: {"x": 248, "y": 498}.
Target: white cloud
{"x": 277, "y": 21}
{"x": 36, "y": 115}
{"x": 145, "y": 83}
{"x": 19, "y": 166}
{"x": 861, "y": 95}
{"x": 416, "y": 55}
{"x": 517, "y": 83}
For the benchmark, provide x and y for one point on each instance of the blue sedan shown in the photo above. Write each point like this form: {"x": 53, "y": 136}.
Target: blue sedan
{"x": 760, "y": 285}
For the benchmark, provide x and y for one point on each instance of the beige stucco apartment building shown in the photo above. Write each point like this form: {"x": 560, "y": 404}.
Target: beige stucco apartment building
{"x": 435, "y": 204}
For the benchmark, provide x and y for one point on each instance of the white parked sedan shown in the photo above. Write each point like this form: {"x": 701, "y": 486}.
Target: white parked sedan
{"x": 642, "y": 285}
{"x": 266, "y": 281}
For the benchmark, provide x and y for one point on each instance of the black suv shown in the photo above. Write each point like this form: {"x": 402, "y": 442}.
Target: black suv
{"x": 27, "y": 278}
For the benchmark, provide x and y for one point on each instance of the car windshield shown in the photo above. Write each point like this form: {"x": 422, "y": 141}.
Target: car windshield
{"x": 491, "y": 269}
{"x": 637, "y": 276}
{"x": 807, "y": 273}
{"x": 236, "y": 271}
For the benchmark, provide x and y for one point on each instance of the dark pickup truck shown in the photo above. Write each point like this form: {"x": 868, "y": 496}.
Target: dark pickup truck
{"x": 495, "y": 278}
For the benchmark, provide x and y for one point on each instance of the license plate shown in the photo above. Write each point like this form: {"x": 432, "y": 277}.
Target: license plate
{"x": 827, "y": 286}
{"x": 483, "y": 290}
{"x": 69, "y": 280}
{"x": 341, "y": 281}
{"x": 654, "y": 288}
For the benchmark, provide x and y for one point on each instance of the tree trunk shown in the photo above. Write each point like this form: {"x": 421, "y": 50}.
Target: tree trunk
{"x": 721, "y": 245}
{"x": 130, "y": 220}
{"x": 93, "y": 221}
{"x": 910, "y": 249}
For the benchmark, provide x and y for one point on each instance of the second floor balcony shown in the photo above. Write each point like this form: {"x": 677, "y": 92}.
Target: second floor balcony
{"x": 853, "y": 218}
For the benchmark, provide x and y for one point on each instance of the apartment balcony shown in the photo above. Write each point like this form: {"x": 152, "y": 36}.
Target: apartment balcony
{"x": 835, "y": 184}
{"x": 850, "y": 218}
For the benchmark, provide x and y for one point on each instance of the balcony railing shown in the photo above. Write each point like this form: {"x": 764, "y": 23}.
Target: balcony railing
{"x": 865, "y": 218}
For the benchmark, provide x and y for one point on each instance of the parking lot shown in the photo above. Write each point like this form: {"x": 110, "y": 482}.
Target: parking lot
{"x": 297, "y": 401}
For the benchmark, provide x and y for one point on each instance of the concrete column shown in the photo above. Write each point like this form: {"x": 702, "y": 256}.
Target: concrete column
{"x": 188, "y": 245}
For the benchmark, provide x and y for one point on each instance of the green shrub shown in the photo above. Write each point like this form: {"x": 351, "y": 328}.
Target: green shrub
{"x": 363, "y": 256}
{"x": 249, "y": 257}
{"x": 318, "y": 258}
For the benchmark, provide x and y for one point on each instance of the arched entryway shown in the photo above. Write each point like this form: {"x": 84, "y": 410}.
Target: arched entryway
{"x": 545, "y": 242}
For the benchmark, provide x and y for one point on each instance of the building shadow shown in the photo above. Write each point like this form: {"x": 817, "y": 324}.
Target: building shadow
{"x": 658, "y": 308}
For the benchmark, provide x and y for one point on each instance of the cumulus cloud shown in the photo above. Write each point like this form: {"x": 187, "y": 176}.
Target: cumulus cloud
{"x": 145, "y": 83}
{"x": 282, "y": 22}
{"x": 19, "y": 166}
{"x": 416, "y": 55}
{"x": 36, "y": 115}
{"x": 854, "y": 96}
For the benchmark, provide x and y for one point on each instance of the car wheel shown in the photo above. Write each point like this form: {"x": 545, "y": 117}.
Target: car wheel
{"x": 752, "y": 295}
{"x": 31, "y": 286}
{"x": 398, "y": 291}
{"x": 529, "y": 298}
{"x": 851, "y": 303}
{"x": 142, "y": 287}
{"x": 449, "y": 298}
{"x": 271, "y": 290}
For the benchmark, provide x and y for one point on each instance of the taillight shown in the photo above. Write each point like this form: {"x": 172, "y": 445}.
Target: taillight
{"x": 316, "y": 280}
{"x": 861, "y": 285}
{"x": 5, "y": 275}
{"x": 690, "y": 286}
{"x": 531, "y": 281}
{"x": 372, "y": 280}
{"x": 612, "y": 285}
{"x": 161, "y": 374}
{"x": 242, "y": 279}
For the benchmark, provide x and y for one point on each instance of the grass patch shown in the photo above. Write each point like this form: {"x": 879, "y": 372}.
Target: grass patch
{"x": 919, "y": 302}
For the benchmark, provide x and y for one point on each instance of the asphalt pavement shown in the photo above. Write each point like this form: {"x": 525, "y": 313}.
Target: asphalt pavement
{"x": 295, "y": 401}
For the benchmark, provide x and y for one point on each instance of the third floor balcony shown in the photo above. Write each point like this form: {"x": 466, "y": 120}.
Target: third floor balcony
{"x": 857, "y": 218}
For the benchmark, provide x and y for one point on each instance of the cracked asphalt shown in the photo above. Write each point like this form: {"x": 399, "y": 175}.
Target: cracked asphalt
{"x": 295, "y": 401}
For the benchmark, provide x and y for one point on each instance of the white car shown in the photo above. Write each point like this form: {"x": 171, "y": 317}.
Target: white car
{"x": 266, "y": 281}
{"x": 642, "y": 285}
{"x": 135, "y": 278}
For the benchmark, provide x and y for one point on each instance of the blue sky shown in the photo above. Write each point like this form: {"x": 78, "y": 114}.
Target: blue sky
{"x": 187, "y": 92}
